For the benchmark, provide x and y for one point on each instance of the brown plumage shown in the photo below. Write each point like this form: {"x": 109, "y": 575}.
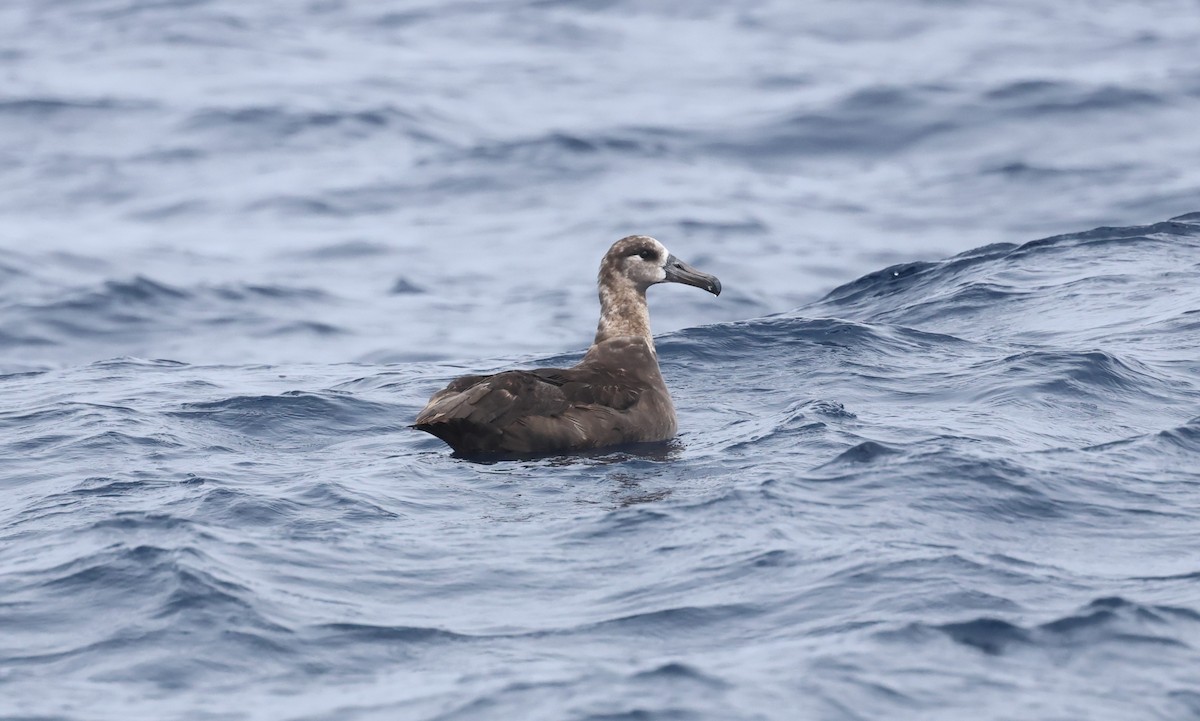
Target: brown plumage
{"x": 614, "y": 396}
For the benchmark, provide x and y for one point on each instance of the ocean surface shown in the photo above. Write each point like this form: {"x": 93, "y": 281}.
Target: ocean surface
{"x": 939, "y": 450}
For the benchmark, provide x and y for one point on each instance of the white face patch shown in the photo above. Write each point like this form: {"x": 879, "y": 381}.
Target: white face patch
{"x": 663, "y": 254}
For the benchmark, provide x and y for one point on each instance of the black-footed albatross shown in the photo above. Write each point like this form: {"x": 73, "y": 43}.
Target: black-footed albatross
{"x": 614, "y": 396}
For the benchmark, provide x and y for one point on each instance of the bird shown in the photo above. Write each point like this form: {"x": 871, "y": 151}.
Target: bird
{"x": 614, "y": 396}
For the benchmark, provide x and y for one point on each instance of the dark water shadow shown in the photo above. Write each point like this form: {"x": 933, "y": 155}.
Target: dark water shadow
{"x": 657, "y": 452}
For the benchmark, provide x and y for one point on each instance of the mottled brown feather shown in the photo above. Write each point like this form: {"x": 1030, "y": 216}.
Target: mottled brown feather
{"x": 615, "y": 395}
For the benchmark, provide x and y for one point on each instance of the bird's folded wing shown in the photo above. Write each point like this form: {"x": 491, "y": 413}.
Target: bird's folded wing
{"x": 502, "y": 398}
{"x": 590, "y": 387}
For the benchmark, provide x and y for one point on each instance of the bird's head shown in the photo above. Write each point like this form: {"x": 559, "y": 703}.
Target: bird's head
{"x": 642, "y": 262}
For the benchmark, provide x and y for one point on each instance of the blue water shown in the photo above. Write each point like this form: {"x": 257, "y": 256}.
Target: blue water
{"x": 929, "y": 467}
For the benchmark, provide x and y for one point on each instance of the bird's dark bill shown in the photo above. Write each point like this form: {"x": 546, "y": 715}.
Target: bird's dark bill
{"x": 680, "y": 272}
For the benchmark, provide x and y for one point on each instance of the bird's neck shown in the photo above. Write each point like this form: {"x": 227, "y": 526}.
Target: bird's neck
{"x": 623, "y": 312}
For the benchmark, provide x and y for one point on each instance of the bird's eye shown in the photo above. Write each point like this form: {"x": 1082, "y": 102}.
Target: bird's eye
{"x": 647, "y": 255}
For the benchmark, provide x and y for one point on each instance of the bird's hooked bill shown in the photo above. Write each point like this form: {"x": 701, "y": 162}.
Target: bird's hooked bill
{"x": 679, "y": 272}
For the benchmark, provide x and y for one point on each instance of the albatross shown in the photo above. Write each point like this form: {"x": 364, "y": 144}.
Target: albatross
{"x": 614, "y": 396}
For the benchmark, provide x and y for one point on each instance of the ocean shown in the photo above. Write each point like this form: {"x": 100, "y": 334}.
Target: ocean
{"x": 939, "y": 449}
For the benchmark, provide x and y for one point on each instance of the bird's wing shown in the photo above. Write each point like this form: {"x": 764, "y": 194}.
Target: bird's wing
{"x": 588, "y": 386}
{"x": 529, "y": 411}
{"x": 493, "y": 400}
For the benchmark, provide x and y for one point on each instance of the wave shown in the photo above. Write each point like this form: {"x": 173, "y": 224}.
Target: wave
{"x": 566, "y": 150}
{"x": 258, "y": 127}
{"x": 137, "y": 314}
{"x": 1110, "y": 620}
{"x": 296, "y": 416}
{"x": 41, "y": 109}
{"x": 141, "y": 291}
{"x": 987, "y": 278}
{"x": 882, "y": 120}
{"x": 1025, "y": 97}
{"x": 773, "y": 336}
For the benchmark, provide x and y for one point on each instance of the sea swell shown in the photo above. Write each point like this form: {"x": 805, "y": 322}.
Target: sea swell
{"x": 923, "y": 471}
{"x": 863, "y": 489}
